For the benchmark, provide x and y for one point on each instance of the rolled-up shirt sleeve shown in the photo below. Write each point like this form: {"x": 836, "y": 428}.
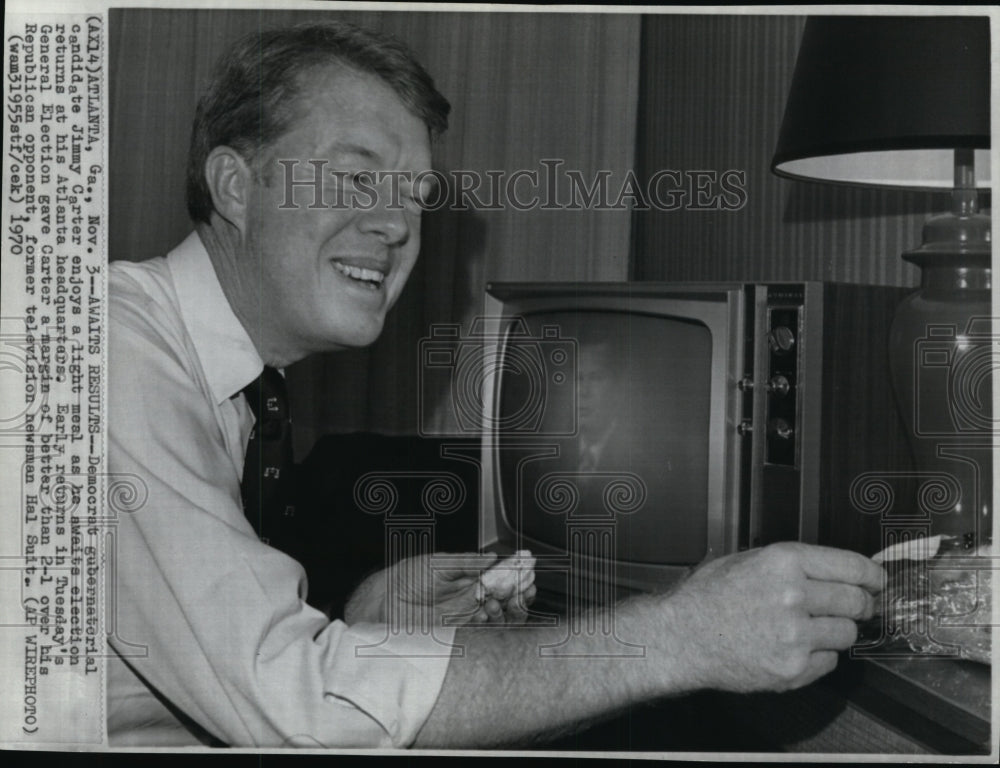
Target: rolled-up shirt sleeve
{"x": 207, "y": 616}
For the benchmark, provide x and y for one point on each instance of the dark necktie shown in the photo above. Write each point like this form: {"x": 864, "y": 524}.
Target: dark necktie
{"x": 267, "y": 484}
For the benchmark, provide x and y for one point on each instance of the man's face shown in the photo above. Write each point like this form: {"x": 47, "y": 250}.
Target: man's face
{"x": 599, "y": 386}
{"x": 327, "y": 276}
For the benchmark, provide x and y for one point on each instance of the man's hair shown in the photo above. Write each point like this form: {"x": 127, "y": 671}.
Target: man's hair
{"x": 249, "y": 103}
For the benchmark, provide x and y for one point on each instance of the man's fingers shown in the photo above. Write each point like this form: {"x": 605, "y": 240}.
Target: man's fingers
{"x": 526, "y": 578}
{"x": 830, "y": 634}
{"x": 515, "y": 613}
{"x": 493, "y": 608}
{"x": 829, "y": 564}
{"x": 467, "y": 564}
{"x": 528, "y": 596}
{"x": 828, "y": 598}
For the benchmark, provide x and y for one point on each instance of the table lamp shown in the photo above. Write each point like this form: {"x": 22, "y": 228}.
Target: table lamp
{"x": 904, "y": 103}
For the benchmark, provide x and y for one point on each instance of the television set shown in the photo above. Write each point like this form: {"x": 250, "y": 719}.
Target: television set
{"x": 632, "y": 430}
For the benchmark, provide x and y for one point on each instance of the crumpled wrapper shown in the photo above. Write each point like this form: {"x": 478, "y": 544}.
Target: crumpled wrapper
{"x": 935, "y": 609}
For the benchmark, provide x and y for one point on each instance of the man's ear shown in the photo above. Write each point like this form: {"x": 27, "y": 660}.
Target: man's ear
{"x": 229, "y": 180}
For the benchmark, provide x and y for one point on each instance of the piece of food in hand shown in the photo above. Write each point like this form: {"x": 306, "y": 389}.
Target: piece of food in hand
{"x": 508, "y": 577}
{"x": 923, "y": 548}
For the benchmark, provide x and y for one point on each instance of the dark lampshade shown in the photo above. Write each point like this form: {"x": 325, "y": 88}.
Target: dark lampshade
{"x": 886, "y": 100}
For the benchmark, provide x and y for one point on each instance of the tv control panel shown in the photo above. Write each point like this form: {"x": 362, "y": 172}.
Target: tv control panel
{"x": 782, "y": 385}
{"x": 783, "y": 426}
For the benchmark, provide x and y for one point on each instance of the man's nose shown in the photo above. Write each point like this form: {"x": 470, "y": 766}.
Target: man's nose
{"x": 386, "y": 220}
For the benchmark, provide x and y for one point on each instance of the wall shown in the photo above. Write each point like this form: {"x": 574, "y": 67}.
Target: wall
{"x": 712, "y": 96}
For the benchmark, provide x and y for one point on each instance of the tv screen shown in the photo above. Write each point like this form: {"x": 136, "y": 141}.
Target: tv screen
{"x": 603, "y": 418}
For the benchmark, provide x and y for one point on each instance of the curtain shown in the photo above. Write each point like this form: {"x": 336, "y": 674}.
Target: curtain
{"x": 732, "y": 73}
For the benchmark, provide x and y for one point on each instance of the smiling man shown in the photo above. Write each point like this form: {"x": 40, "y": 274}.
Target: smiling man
{"x": 214, "y": 641}
{"x": 228, "y": 649}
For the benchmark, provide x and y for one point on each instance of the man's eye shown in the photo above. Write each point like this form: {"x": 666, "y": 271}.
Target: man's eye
{"x": 353, "y": 178}
{"x": 422, "y": 194}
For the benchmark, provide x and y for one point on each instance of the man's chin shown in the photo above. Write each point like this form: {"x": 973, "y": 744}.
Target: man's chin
{"x": 360, "y": 339}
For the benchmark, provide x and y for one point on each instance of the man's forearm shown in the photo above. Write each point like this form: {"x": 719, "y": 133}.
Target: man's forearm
{"x": 501, "y": 690}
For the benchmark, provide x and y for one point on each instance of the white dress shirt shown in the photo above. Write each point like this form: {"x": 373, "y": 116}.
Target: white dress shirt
{"x": 212, "y": 637}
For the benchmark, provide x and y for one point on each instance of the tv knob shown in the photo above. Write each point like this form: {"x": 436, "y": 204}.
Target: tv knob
{"x": 780, "y": 429}
{"x": 781, "y": 340}
{"x": 778, "y": 385}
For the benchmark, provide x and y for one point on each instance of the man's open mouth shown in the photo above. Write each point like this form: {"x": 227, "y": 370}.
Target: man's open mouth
{"x": 373, "y": 278}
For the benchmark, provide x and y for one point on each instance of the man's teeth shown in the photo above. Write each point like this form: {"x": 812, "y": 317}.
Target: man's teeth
{"x": 360, "y": 273}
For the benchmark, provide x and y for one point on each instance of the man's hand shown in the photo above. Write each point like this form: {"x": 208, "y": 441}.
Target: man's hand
{"x": 771, "y": 619}
{"x": 427, "y": 589}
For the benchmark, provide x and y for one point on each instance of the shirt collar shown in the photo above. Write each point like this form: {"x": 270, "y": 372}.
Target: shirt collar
{"x": 228, "y": 356}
